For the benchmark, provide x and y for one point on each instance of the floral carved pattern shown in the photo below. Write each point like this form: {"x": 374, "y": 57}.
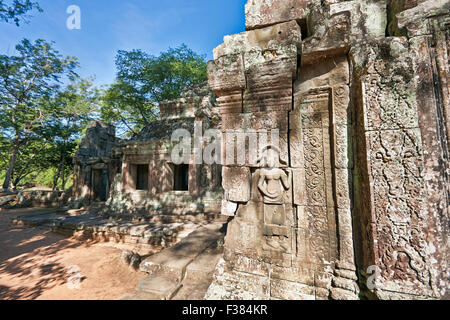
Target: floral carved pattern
{"x": 399, "y": 204}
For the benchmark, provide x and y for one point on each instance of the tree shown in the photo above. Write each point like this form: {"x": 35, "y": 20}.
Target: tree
{"x": 74, "y": 107}
{"x": 17, "y": 10}
{"x": 27, "y": 81}
{"x": 51, "y": 149}
{"x": 143, "y": 81}
{"x": 124, "y": 105}
{"x": 4, "y": 149}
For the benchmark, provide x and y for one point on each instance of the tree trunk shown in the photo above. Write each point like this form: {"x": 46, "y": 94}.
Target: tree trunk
{"x": 12, "y": 163}
{"x": 62, "y": 165}
{"x": 55, "y": 179}
{"x": 63, "y": 182}
{"x": 63, "y": 173}
{"x": 60, "y": 172}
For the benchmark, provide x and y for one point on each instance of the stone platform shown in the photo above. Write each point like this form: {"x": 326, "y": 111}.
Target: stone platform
{"x": 184, "y": 271}
{"x": 156, "y": 231}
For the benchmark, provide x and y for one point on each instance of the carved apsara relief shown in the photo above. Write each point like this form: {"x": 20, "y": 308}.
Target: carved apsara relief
{"x": 273, "y": 183}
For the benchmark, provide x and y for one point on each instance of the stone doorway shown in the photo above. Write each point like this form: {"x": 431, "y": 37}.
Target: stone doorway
{"x": 181, "y": 177}
{"x": 99, "y": 184}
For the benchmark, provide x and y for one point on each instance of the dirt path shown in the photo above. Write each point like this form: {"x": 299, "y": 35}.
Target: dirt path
{"x": 38, "y": 264}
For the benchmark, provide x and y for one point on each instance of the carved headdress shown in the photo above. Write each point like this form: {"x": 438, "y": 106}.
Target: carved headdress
{"x": 265, "y": 154}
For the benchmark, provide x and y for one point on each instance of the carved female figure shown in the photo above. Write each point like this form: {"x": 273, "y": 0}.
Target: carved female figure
{"x": 273, "y": 183}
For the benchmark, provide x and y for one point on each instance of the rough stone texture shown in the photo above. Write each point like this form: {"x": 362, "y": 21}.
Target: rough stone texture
{"x": 268, "y": 12}
{"x": 184, "y": 271}
{"x": 152, "y": 147}
{"x": 37, "y": 198}
{"x": 144, "y": 233}
{"x": 106, "y": 168}
{"x": 349, "y": 201}
{"x": 406, "y": 155}
{"x": 95, "y": 164}
{"x": 360, "y": 178}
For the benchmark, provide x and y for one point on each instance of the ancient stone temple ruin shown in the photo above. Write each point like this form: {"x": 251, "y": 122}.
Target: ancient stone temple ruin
{"x": 150, "y": 181}
{"x": 353, "y": 202}
{"x": 348, "y": 197}
{"x": 138, "y": 175}
{"x": 95, "y": 164}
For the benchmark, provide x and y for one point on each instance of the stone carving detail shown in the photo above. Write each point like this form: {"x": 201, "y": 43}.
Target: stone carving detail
{"x": 399, "y": 204}
{"x": 206, "y": 176}
{"x": 399, "y": 208}
{"x": 315, "y": 175}
{"x": 390, "y": 102}
{"x": 398, "y": 182}
{"x": 314, "y": 136}
{"x": 326, "y": 75}
{"x": 272, "y": 184}
{"x": 236, "y": 182}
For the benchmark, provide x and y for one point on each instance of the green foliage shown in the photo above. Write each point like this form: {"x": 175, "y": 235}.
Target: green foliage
{"x": 143, "y": 81}
{"x": 160, "y": 78}
{"x": 50, "y": 151}
{"x": 17, "y": 10}
{"x": 40, "y": 121}
{"x": 44, "y": 179}
{"x": 74, "y": 107}
{"x": 126, "y": 107}
{"x": 27, "y": 81}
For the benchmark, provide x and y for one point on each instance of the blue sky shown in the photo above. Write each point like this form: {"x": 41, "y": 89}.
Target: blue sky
{"x": 111, "y": 25}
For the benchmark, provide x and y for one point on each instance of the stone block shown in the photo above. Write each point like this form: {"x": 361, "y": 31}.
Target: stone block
{"x": 226, "y": 74}
{"x": 260, "y": 13}
{"x": 236, "y": 181}
{"x": 162, "y": 287}
{"x": 252, "y": 266}
{"x": 343, "y": 158}
{"x": 233, "y": 285}
{"x": 288, "y": 290}
{"x": 299, "y": 274}
{"x": 299, "y": 188}
{"x": 343, "y": 188}
{"x": 267, "y": 38}
{"x": 229, "y": 208}
{"x": 329, "y": 73}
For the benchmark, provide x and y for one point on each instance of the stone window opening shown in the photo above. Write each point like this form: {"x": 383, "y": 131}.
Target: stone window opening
{"x": 303, "y": 28}
{"x": 142, "y": 177}
{"x": 181, "y": 177}
{"x": 99, "y": 184}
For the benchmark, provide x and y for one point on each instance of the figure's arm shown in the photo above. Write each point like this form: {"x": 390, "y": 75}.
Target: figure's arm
{"x": 261, "y": 188}
{"x": 285, "y": 179}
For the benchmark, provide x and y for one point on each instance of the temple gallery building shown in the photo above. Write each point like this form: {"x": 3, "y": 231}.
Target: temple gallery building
{"x": 358, "y": 182}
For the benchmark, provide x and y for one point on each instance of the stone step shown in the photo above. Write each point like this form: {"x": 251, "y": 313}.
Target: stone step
{"x": 204, "y": 265}
{"x": 164, "y": 218}
{"x": 199, "y": 275}
{"x": 193, "y": 290}
{"x": 161, "y": 287}
{"x": 41, "y": 219}
{"x": 173, "y": 261}
{"x": 141, "y": 295}
{"x": 184, "y": 271}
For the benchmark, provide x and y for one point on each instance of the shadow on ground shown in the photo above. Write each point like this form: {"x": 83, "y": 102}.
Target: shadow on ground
{"x": 30, "y": 253}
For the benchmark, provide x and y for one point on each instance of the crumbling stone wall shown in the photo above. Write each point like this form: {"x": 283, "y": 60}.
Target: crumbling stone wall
{"x": 359, "y": 93}
{"x": 153, "y": 146}
{"x": 95, "y": 164}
